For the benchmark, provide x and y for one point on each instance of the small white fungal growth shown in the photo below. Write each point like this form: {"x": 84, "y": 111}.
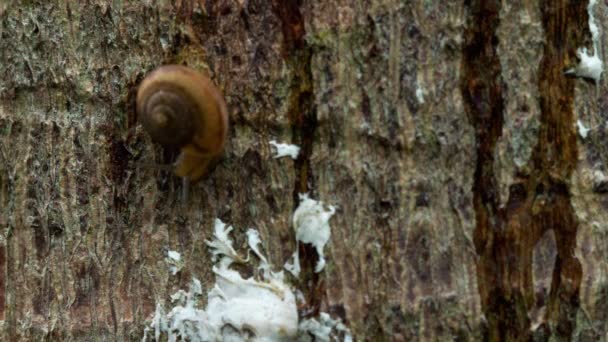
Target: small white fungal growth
{"x": 184, "y": 320}
{"x": 222, "y": 244}
{"x": 595, "y": 31}
{"x": 420, "y": 93}
{"x": 285, "y": 150}
{"x": 238, "y": 309}
{"x": 582, "y": 130}
{"x": 174, "y": 260}
{"x": 311, "y": 223}
{"x": 174, "y": 255}
{"x": 253, "y": 240}
{"x": 323, "y": 329}
{"x": 294, "y": 267}
{"x": 599, "y": 176}
{"x": 590, "y": 66}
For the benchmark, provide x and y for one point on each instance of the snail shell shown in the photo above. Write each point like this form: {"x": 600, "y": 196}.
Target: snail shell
{"x": 180, "y": 107}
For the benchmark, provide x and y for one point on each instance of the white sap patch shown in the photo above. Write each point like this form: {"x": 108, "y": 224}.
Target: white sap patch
{"x": 238, "y": 309}
{"x": 285, "y": 150}
{"x": 311, "y": 223}
{"x": 590, "y": 66}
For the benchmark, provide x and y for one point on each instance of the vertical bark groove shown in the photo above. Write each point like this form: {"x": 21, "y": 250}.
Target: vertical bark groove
{"x": 555, "y": 157}
{"x": 482, "y": 91}
{"x": 303, "y": 118}
{"x": 539, "y": 200}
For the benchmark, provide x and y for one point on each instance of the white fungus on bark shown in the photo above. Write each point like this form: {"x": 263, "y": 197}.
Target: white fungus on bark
{"x": 237, "y": 308}
{"x": 582, "y": 130}
{"x": 253, "y": 240}
{"x": 294, "y": 266}
{"x": 323, "y": 329}
{"x": 285, "y": 150}
{"x": 222, "y": 244}
{"x": 590, "y": 65}
{"x": 420, "y": 93}
{"x": 311, "y": 224}
{"x": 174, "y": 255}
{"x": 174, "y": 260}
{"x": 249, "y": 309}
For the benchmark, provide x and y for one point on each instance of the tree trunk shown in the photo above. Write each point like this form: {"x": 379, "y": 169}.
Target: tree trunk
{"x": 465, "y": 161}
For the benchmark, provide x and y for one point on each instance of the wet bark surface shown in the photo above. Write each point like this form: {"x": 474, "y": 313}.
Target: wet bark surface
{"x": 539, "y": 200}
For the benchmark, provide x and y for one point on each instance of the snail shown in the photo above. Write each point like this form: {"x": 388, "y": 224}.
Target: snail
{"x": 181, "y": 108}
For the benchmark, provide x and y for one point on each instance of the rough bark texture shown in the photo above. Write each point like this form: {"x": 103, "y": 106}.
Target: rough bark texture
{"x": 445, "y": 132}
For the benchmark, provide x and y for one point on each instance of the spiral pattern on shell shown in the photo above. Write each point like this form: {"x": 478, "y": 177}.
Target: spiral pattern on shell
{"x": 168, "y": 114}
{"x": 180, "y": 107}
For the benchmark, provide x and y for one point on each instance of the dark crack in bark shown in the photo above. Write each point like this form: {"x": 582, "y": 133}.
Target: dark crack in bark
{"x": 539, "y": 201}
{"x": 555, "y": 156}
{"x": 481, "y": 86}
{"x": 303, "y": 117}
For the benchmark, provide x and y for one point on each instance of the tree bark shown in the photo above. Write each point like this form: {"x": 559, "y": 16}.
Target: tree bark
{"x": 471, "y": 200}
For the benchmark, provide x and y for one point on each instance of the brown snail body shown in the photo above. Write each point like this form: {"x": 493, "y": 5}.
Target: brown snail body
{"x": 180, "y": 107}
